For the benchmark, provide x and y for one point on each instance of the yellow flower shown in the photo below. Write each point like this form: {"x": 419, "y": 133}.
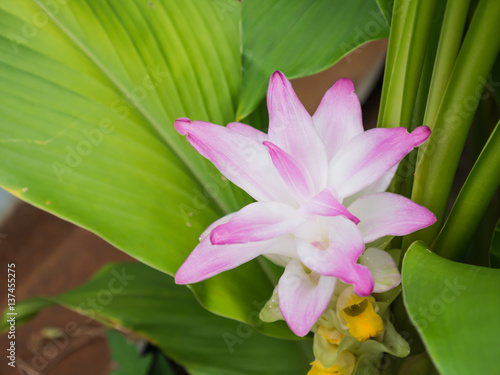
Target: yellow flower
{"x": 359, "y": 315}
{"x": 344, "y": 365}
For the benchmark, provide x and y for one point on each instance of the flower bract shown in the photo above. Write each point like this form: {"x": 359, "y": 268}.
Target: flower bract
{"x": 319, "y": 184}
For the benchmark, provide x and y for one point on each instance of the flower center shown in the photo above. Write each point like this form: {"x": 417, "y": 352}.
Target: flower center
{"x": 331, "y": 335}
{"x": 322, "y": 245}
{"x": 357, "y": 308}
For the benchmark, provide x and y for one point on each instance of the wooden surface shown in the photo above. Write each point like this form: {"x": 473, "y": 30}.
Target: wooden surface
{"x": 53, "y": 256}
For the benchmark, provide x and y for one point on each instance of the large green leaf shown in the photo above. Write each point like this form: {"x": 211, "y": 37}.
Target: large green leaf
{"x": 300, "y": 38}
{"x": 134, "y": 297}
{"x": 386, "y": 7}
{"x": 129, "y": 361}
{"x": 125, "y": 356}
{"x": 455, "y": 309}
{"x": 89, "y": 93}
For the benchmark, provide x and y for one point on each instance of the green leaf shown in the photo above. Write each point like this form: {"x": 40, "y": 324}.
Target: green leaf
{"x": 22, "y": 312}
{"x": 495, "y": 247}
{"x": 455, "y": 309}
{"x": 259, "y": 118}
{"x": 418, "y": 364}
{"x": 472, "y": 203}
{"x": 90, "y": 90}
{"x": 126, "y": 356}
{"x": 386, "y": 7}
{"x": 161, "y": 366}
{"x": 129, "y": 361}
{"x": 132, "y": 297}
{"x": 300, "y": 38}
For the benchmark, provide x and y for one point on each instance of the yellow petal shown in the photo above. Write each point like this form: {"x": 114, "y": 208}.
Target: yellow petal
{"x": 362, "y": 320}
{"x": 344, "y": 365}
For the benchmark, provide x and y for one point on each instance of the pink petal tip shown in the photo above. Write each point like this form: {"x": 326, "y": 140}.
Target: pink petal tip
{"x": 181, "y": 125}
{"x": 346, "y": 84}
{"x": 364, "y": 284}
{"x": 278, "y": 75}
{"x": 180, "y": 278}
{"x": 420, "y": 134}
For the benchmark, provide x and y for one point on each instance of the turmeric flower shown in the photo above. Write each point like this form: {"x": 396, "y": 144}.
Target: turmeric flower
{"x": 319, "y": 187}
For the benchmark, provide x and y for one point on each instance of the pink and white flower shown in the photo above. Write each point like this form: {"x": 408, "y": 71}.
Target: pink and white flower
{"x": 319, "y": 183}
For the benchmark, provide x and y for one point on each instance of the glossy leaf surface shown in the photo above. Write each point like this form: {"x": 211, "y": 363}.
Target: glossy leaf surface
{"x": 135, "y": 298}
{"x": 455, "y": 309}
{"x": 300, "y": 38}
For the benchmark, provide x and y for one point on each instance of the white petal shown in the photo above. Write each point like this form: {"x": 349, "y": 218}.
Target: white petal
{"x": 383, "y": 268}
{"x": 291, "y": 128}
{"x": 243, "y": 160}
{"x": 370, "y": 155}
{"x": 303, "y": 297}
{"x": 378, "y": 186}
{"x": 208, "y": 260}
{"x": 384, "y": 214}
{"x": 257, "y": 222}
{"x": 340, "y": 258}
{"x": 338, "y": 117}
{"x": 248, "y": 131}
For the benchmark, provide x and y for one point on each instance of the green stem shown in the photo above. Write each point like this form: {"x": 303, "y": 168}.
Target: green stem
{"x": 428, "y": 67}
{"x": 400, "y": 11}
{"x": 472, "y": 202}
{"x": 436, "y": 169}
{"x": 403, "y": 183}
{"x": 417, "y": 53}
{"x": 448, "y": 47}
{"x": 406, "y": 52}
